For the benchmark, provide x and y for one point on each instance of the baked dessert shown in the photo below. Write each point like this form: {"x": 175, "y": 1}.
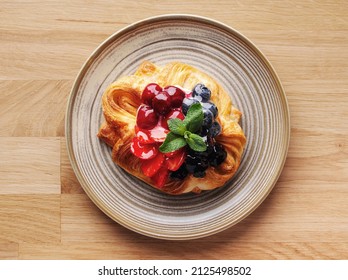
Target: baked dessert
{"x": 173, "y": 127}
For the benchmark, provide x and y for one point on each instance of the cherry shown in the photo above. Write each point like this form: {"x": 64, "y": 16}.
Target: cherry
{"x": 161, "y": 103}
{"x": 149, "y": 92}
{"x": 177, "y": 96}
{"x": 143, "y": 151}
{"x": 146, "y": 117}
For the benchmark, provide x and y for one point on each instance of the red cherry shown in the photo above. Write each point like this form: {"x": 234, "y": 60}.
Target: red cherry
{"x": 144, "y": 136}
{"x": 161, "y": 103}
{"x": 143, "y": 151}
{"x": 146, "y": 117}
{"x": 173, "y": 114}
{"x": 160, "y": 178}
{"x": 151, "y": 166}
{"x": 177, "y": 95}
{"x": 149, "y": 92}
{"x": 174, "y": 162}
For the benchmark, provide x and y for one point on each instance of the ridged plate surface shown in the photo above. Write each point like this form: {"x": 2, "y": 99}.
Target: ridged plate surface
{"x": 254, "y": 88}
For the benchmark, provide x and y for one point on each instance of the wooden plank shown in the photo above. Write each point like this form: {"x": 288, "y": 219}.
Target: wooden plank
{"x": 29, "y": 165}
{"x": 279, "y": 219}
{"x": 154, "y": 249}
{"x": 29, "y": 218}
{"x": 33, "y": 108}
{"x": 8, "y": 251}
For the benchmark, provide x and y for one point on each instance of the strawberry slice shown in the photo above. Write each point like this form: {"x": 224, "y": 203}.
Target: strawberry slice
{"x": 173, "y": 114}
{"x": 143, "y": 151}
{"x": 151, "y": 166}
{"x": 144, "y": 136}
{"x": 158, "y": 133}
{"x": 160, "y": 178}
{"x": 174, "y": 162}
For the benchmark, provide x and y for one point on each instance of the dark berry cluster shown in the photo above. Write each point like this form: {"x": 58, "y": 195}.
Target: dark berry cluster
{"x": 197, "y": 163}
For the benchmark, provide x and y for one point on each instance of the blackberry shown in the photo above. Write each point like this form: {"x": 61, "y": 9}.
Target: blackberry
{"x": 181, "y": 173}
{"x": 196, "y": 163}
{"x": 218, "y": 155}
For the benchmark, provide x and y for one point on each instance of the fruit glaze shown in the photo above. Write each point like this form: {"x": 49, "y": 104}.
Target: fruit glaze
{"x": 159, "y": 105}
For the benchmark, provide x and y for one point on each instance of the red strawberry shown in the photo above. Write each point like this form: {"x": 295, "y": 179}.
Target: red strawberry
{"x": 144, "y": 136}
{"x": 160, "y": 178}
{"x": 175, "y": 161}
{"x": 158, "y": 133}
{"x": 151, "y": 166}
{"x": 143, "y": 151}
{"x": 173, "y": 114}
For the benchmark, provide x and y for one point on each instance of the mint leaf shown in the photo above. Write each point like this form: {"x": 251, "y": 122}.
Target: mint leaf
{"x": 177, "y": 126}
{"x": 196, "y": 142}
{"x": 194, "y": 117}
{"x": 172, "y": 142}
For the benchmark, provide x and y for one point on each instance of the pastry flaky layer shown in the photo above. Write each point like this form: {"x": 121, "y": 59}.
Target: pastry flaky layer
{"x": 122, "y": 99}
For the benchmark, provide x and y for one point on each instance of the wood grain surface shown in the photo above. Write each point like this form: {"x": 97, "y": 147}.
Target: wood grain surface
{"x": 44, "y": 213}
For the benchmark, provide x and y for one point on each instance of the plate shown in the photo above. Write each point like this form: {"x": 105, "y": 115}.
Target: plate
{"x": 244, "y": 72}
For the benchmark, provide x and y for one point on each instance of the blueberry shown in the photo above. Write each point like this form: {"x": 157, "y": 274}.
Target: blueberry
{"x": 215, "y": 129}
{"x": 201, "y": 92}
{"x": 181, "y": 173}
{"x": 186, "y": 103}
{"x": 218, "y": 155}
{"x": 211, "y": 106}
{"x": 207, "y": 119}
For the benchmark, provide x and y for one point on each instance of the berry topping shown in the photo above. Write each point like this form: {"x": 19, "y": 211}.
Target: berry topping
{"x": 181, "y": 173}
{"x": 151, "y": 166}
{"x": 201, "y": 92}
{"x": 187, "y": 144}
{"x": 197, "y": 164}
{"x": 161, "y": 177}
{"x": 149, "y": 92}
{"x": 186, "y": 104}
{"x": 146, "y": 117}
{"x": 143, "y": 151}
{"x": 215, "y": 129}
{"x": 176, "y": 94}
{"x": 210, "y": 106}
{"x": 218, "y": 155}
{"x": 174, "y": 162}
{"x": 173, "y": 114}
{"x": 144, "y": 136}
{"x": 161, "y": 103}
{"x": 159, "y": 133}
{"x": 207, "y": 119}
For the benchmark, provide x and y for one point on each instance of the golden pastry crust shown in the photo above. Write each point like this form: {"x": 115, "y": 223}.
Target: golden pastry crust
{"x": 121, "y": 100}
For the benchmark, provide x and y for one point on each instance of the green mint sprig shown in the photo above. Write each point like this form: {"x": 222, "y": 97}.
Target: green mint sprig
{"x": 182, "y": 132}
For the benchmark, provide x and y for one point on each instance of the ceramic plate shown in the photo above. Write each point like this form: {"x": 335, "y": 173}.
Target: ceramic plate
{"x": 239, "y": 67}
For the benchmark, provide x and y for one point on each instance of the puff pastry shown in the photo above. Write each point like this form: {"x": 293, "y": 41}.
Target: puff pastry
{"x": 121, "y": 100}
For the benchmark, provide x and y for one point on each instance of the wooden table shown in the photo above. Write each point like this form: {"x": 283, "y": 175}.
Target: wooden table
{"x": 45, "y": 214}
